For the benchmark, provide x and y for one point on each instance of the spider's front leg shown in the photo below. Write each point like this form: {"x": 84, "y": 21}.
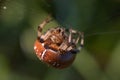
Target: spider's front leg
{"x": 40, "y": 27}
{"x": 81, "y": 40}
{"x": 41, "y": 37}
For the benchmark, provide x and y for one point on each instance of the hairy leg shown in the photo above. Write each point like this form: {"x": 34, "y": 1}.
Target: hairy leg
{"x": 40, "y": 27}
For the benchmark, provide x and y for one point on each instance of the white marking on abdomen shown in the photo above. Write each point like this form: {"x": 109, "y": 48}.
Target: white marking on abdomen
{"x": 43, "y": 44}
{"x": 35, "y": 47}
{"x": 43, "y": 53}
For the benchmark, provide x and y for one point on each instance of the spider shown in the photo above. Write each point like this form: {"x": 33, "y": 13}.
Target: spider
{"x": 58, "y": 46}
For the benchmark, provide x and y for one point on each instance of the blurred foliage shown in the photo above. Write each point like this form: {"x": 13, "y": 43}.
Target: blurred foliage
{"x": 98, "y": 19}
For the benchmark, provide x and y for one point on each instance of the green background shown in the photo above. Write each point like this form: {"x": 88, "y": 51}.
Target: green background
{"x": 98, "y": 19}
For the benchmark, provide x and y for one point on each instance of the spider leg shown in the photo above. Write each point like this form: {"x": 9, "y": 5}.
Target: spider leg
{"x": 78, "y": 38}
{"x": 74, "y": 42}
{"x": 68, "y": 45}
{"x": 71, "y": 40}
{"x": 41, "y": 37}
{"x": 63, "y": 46}
{"x": 81, "y": 41}
{"x": 70, "y": 36}
{"x": 40, "y": 27}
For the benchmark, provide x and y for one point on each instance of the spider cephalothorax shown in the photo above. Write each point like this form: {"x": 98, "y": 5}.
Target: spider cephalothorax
{"x": 58, "y": 46}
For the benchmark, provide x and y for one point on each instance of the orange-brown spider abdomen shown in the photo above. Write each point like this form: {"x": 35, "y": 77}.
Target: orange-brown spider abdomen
{"x": 53, "y": 58}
